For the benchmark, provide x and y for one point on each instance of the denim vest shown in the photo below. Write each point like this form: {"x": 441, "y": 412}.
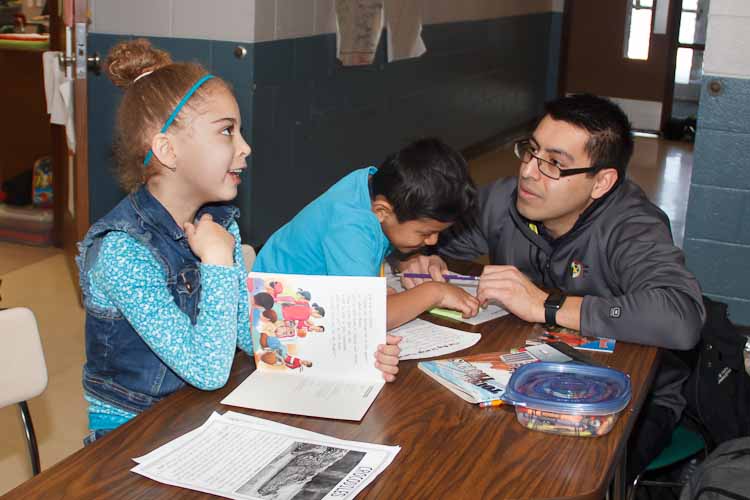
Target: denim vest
{"x": 120, "y": 368}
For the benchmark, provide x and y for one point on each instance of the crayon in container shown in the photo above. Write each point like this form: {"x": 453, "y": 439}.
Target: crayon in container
{"x": 569, "y": 399}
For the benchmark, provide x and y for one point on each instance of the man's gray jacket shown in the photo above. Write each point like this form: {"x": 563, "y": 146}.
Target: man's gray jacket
{"x": 619, "y": 257}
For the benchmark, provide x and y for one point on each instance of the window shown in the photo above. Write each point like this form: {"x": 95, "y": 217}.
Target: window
{"x": 691, "y": 41}
{"x": 638, "y": 28}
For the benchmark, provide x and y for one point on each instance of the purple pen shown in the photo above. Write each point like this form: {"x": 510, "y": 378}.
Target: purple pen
{"x": 446, "y": 276}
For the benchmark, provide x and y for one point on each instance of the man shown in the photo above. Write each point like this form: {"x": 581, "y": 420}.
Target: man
{"x": 572, "y": 242}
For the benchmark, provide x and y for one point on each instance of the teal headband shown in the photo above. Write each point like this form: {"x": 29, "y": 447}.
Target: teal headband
{"x": 177, "y": 110}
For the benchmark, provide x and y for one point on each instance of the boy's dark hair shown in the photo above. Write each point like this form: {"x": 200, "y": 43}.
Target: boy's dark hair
{"x": 318, "y": 309}
{"x": 610, "y": 144}
{"x": 264, "y": 300}
{"x": 304, "y": 294}
{"x": 427, "y": 180}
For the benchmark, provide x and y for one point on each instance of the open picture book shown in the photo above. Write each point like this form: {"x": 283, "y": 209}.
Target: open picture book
{"x": 314, "y": 343}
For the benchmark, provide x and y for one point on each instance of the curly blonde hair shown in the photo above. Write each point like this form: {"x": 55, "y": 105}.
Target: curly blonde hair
{"x": 148, "y": 101}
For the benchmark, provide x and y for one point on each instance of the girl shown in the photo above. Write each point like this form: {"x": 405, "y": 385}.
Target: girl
{"x": 162, "y": 274}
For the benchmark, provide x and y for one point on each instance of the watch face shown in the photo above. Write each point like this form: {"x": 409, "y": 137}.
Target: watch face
{"x": 554, "y": 300}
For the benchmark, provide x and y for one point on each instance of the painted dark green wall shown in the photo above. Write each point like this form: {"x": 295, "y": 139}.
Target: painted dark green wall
{"x": 310, "y": 121}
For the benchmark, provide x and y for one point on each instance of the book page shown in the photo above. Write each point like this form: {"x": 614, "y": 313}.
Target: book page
{"x": 326, "y": 326}
{"x": 310, "y": 396}
{"x": 240, "y": 459}
{"x": 314, "y": 343}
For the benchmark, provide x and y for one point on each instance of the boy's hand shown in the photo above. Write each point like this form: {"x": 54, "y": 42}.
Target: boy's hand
{"x": 458, "y": 299}
{"x": 386, "y": 358}
{"x": 422, "y": 264}
{"x": 210, "y": 242}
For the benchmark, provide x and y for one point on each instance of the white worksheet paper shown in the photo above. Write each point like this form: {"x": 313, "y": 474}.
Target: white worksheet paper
{"x": 422, "y": 339}
{"x": 242, "y": 457}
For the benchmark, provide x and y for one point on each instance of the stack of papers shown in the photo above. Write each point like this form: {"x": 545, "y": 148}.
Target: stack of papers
{"x": 244, "y": 457}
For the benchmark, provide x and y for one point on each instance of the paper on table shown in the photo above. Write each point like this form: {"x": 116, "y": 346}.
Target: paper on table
{"x": 232, "y": 416}
{"x": 492, "y": 311}
{"x": 422, "y": 339}
{"x": 237, "y": 458}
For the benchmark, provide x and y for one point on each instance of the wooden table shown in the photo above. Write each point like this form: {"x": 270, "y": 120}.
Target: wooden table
{"x": 450, "y": 449}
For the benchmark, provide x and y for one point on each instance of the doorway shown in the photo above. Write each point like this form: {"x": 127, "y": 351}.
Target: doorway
{"x": 26, "y": 190}
{"x": 690, "y": 44}
{"x": 646, "y": 55}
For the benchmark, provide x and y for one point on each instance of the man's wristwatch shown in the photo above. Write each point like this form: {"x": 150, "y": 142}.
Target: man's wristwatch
{"x": 553, "y": 304}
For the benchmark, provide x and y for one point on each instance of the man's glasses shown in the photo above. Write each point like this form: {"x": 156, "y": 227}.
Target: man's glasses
{"x": 525, "y": 150}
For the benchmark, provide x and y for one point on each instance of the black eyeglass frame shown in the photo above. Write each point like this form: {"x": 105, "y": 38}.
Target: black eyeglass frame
{"x": 527, "y": 143}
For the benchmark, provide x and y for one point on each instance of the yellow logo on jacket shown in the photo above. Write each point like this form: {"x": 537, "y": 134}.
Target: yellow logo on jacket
{"x": 576, "y": 268}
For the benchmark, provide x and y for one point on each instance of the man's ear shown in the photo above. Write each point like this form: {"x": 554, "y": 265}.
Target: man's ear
{"x": 604, "y": 181}
{"x": 163, "y": 150}
{"x": 382, "y": 208}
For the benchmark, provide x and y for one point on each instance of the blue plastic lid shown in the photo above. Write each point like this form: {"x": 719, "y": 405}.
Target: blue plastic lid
{"x": 571, "y": 388}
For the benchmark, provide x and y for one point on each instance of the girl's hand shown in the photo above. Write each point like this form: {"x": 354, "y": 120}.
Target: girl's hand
{"x": 386, "y": 358}
{"x": 210, "y": 242}
{"x": 458, "y": 299}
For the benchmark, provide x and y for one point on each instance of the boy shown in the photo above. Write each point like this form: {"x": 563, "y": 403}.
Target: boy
{"x": 404, "y": 205}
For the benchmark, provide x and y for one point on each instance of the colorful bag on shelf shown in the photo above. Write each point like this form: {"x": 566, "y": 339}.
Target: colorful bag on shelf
{"x": 42, "y": 195}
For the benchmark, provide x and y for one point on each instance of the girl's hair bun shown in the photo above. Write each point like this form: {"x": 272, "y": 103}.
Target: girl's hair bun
{"x": 129, "y": 60}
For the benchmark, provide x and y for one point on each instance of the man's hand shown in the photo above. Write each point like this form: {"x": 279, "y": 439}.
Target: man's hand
{"x": 421, "y": 264}
{"x": 514, "y": 291}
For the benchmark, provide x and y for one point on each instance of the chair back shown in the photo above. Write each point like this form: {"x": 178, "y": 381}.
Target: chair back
{"x": 23, "y": 371}
{"x": 248, "y": 254}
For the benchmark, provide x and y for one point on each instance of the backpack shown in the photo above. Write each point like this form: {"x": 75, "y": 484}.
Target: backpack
{"x": 718, "y": 389}
{"x": 725, "y": 474}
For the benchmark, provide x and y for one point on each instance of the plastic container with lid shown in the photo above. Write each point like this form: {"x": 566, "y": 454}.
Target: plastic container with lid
{"x": 570, "y": 399}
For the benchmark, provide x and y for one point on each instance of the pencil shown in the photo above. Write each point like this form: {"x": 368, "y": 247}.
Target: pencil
{"x": 488, "y": 404}
{"x": 446, "y": 276}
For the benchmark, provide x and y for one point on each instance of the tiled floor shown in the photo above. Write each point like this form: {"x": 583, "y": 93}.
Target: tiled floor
{"x": 40, "y": 279}
{"x": 15, "y": 257}
{"x": 46, "y": 287}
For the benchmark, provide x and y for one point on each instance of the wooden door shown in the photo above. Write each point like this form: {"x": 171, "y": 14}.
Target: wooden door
{"x": 622, "y": 49}
{"x": 68, "y": 30}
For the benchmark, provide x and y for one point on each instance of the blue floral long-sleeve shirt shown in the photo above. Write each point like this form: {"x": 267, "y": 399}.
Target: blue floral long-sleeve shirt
{"x": 127, "y": 277}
